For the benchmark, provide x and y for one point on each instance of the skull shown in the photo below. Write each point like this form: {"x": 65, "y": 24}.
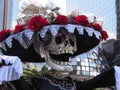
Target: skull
{"x": 59, "y": 48}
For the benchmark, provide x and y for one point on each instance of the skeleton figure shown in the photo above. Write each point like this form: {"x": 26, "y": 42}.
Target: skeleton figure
{"x": 56, "y": 44}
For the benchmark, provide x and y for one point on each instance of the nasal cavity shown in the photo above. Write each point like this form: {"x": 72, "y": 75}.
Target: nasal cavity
{"x": 66, "y": 42}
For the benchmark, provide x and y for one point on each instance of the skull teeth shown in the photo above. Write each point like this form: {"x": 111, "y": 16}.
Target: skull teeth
{"x": 63, "y": 52}
{"x": 62, "y": 63}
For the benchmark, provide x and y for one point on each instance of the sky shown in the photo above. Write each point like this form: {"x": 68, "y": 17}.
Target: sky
{"x": 15, "y": 12}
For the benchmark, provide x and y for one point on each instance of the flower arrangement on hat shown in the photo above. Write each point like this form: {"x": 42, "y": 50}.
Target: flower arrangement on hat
{"x": 4, "y": 34}
{"x": 37, "y": 23}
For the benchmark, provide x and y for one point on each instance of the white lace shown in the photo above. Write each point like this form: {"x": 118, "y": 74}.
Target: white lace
{"x": 12, "y": 72}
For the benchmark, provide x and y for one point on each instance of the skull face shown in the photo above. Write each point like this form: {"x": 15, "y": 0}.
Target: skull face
{"x": 59, "y": 48}
{"x": 63, "y": 42}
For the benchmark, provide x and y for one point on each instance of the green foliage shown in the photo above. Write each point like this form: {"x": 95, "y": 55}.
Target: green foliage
{"x": 34, "y": 72}
{"x": 7, "y": 86}
{"x": 28, "y": 72}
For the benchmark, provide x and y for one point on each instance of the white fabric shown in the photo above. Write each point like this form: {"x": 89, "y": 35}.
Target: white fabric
{"x": 12, "y": 72}
{"x": 117, "y": 77}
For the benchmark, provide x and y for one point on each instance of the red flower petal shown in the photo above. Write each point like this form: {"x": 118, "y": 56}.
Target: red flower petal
{"x": 37, "y": 23}
{"x": 4, "y": 34}
{"x": 81, "y": 20}
{"x": 97, "y": 26}
{"x": 90, "y": 25}
{"x": 104, "y": 35}
{"x": 61, "y": 19}
{"x": 19, "y": 28}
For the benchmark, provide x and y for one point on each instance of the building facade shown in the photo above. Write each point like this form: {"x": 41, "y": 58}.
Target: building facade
{"x": 1, "y": 13}
{"x": 118, "y": 18}
{"x": 6, "y": 7}
{"x": 117, "y": 43}
{"x": 92, "y": 63}
{"x": 89, "y": 64}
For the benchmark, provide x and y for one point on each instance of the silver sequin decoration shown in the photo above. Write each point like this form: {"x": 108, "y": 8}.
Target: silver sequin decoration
{"x": 70, "y": 28}
{"x": 97, "y": 34}
{"x": 19, "y": 37}
{"x": 29, "y": 34}
{"x": 9, "y": 41}
{"x": 54, "y": 29}
{"x": 43, "y": 31}
{"x": 90, "y": 31}
{"x": 80, "y": 30}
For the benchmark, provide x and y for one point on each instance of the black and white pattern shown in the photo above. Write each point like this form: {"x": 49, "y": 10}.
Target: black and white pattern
{"x": 71, "y": 28}
{"x": 64, "y": 84}
{"x": 19, "y": 37}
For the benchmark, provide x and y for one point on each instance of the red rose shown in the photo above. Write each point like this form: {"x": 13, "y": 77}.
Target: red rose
{"x": 104, "y": 34}
{"x": 81, "y": 20}
{"x": 19, "y": 28}
{"x": 90, "y": 25}
{"x": 4, "y": 34}
{"x": 37, "y": 23}
{"x": 97, "y": 26}
{"x": 61, "y": 19}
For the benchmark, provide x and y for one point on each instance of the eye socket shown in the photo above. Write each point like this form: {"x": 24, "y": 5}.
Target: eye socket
{"x": 58, "y": 40}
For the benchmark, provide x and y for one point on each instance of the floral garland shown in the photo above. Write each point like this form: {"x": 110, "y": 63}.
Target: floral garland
{"x": 81, "y": 20}
{"x": 38, "y": 22}
{"x": 61, "y": 19}
{"x": 19, "y": 28}
{"x": 4, "y": 34}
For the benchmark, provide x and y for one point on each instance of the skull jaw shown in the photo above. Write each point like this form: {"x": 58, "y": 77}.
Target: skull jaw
{"x": 57, "y": 67}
